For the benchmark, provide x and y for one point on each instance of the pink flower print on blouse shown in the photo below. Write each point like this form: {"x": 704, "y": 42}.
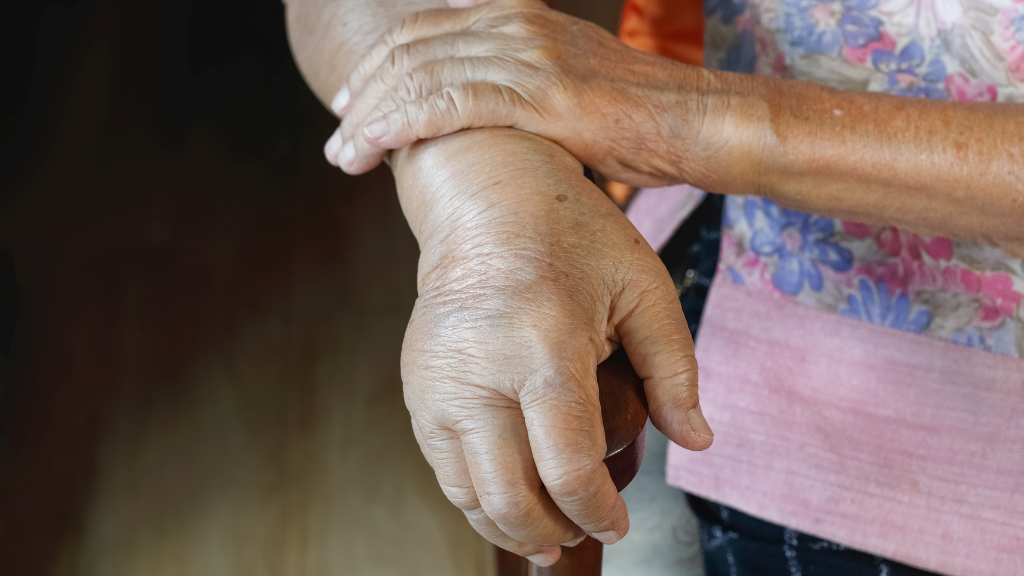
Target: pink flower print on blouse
{"x": 862, "y": 54}
{"x": 904, "y": 274}
{"x": 906, "y": 268}
{"x": 896, "y": 242}
{"x": 963, "y": 89}
{"x": 998, "y": 298}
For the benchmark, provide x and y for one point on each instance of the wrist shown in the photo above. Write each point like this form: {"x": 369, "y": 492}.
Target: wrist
{"x": 735, "y": 137}
{"x": 476, "y": 176}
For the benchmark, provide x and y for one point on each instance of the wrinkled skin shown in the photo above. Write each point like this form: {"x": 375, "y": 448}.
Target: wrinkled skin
{"x": 529, "y": 277}
{"x": 509, "y": 64}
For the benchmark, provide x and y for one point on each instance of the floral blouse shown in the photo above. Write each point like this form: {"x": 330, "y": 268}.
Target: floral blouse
{"x": 967, "y": 50}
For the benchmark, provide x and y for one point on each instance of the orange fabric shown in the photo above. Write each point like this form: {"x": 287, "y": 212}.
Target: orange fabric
{"x": 671, "y": 28}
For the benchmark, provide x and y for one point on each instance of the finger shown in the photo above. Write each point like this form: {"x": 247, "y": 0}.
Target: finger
{"x": 454, "y": 108}
{"x": 333, "y": 147}
{"x": 485, "y": 526}
{"x": 405, "y": 59}
{"x": 426, "y": 78}
{"x": 388, "y": 94}
{"x": 657, "y": 340}
{"x": 563, "y": 417}
{"x": 414, "y": 27}
{"x": 510, "y": 491}
{"x": 357, "y": 156}
{"x": 444, "y": 451}
{"x": 363, "y": 146}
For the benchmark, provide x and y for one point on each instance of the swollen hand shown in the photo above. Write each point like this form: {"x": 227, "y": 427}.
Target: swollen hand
{"x": 529, "y": 277}
{"x": 633, "y": 117}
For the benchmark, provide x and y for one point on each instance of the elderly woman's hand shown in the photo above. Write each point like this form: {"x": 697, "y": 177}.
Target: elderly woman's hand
{"x": 529, "y": 277}
{"x": 636, "y": 118}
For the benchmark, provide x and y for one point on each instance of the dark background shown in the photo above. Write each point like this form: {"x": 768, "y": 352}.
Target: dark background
{"x": 203, "y": 376}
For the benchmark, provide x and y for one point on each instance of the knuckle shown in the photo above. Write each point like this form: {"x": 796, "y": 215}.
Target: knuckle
{"x": 510, "y": 99}
{"x": 409, "y": 86}
{"x": 569, "y": 479}
{"x": 407, "y": 117}
{"x": 448, "y": 104}
{"x": 505, "y": 508}
{"x": 546, "y": 52}
{"x": 463, "y": 497}
{"x": 395, "y": 62}
{"x": 455, "y": 99}
{"x": 531, "y": 22}
{"x": 565, "y": 484}
{"x": 401, "y": 32}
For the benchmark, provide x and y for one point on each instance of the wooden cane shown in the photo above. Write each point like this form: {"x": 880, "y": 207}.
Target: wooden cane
{"x": 624, "y": 413}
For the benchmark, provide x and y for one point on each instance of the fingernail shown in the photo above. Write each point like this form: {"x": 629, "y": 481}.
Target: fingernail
{"x": 574, "y": 543}
{"x": 348, "y": 153}
{"x": 340, "y": 100}
{"x": 332, "y": 147}
{"x": 376, "y": 129}
{"x": 544, "y": 559}
{"x": 607, "y": 538}
{"x": 699, "y": 423}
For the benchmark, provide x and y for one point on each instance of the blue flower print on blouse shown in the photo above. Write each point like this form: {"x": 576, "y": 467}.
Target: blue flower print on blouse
{"x": 874, "y": 304}
{"x": 800, "y": 240}
{"x": 741, "y": 56}
{"x": 827, "y": 25}
{"x": 999, "y": 341}
{"x": 1018, "y": 25}
{"x": 909, "y": 74}
{"x": 729, "y": 9}
{"x": 735, "y": 276}
{"x": 971, "y": 338}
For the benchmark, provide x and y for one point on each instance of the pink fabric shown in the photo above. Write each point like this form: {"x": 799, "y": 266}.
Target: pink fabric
{"x": 657, "y": 212}
{"x": 888, "y": 442}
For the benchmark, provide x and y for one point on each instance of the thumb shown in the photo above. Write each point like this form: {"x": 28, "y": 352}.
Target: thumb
{"x": 657, "y": 340}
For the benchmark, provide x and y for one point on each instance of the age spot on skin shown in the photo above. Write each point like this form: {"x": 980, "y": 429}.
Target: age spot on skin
{"x": 561, "y": 197}
{"x": 636, "y": 241}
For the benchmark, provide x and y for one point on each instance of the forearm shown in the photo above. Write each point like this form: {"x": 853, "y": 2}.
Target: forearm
{"x": 938, "y": 168}
{"x": 329, "y": 37}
